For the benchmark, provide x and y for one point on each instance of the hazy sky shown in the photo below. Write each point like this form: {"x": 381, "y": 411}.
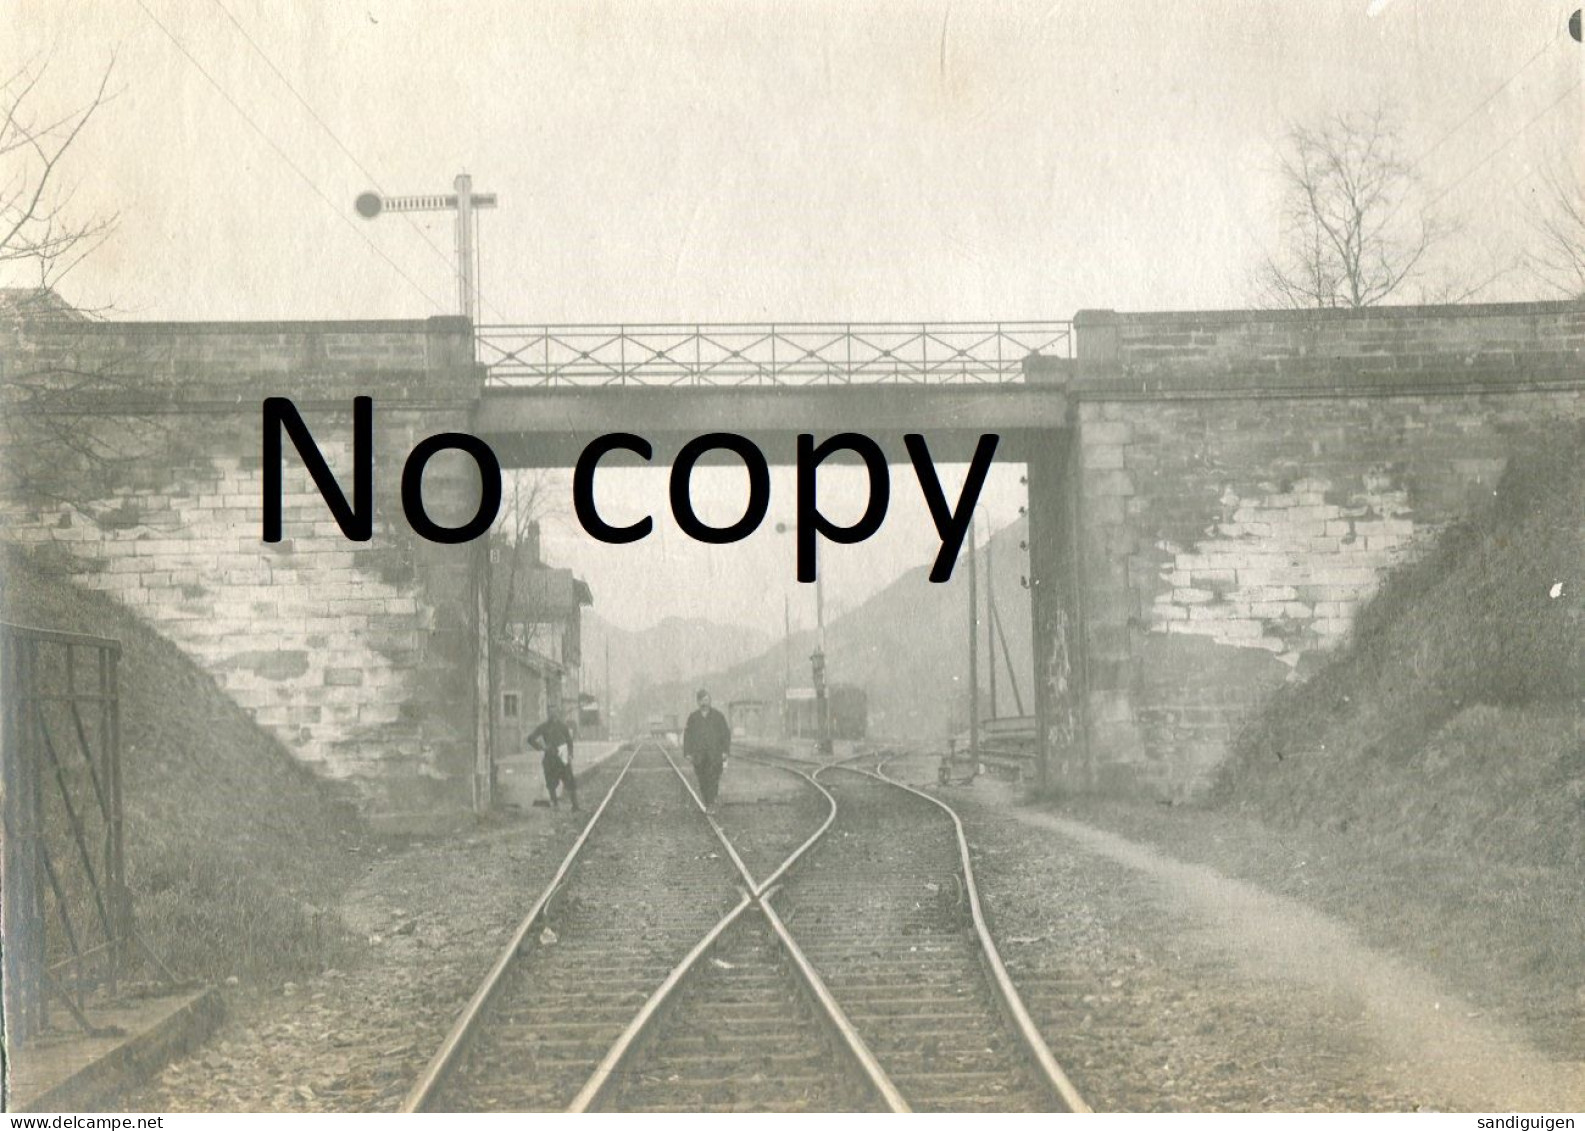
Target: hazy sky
{"x": 750, "y": 161}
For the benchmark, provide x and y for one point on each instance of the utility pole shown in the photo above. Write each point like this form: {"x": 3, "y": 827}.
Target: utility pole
{"x": 786, "y": 660}
{"x": 467, "y": 280}
{"x": 817, "y": 659}
{"x": 990, "y": 619}
{"x": 974, "y": 658}
{"x": 610, "y": 703}
{"x": 463, "y": 202}
{"x": 818, "y": 662}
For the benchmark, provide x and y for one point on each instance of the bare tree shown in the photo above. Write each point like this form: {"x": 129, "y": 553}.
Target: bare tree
{"x": 1354, "y": 232}
{"x": 41, "y": 239}
{"x": 51, "y": 450}
{"x": 529, "y": 502}
{"x": 514, "y": 554}
{"x": 1558, "y": 259}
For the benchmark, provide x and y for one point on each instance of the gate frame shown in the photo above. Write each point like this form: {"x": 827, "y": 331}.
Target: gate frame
{"x": 27, "y": 754}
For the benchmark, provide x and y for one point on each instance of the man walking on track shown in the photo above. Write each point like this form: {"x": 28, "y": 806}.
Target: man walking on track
{"x": 706, "y": 741}
{"x": 551, "y": 736}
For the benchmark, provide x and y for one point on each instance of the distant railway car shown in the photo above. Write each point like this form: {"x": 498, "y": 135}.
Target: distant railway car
{"x": 849, "y": 707}
{"x": 749, "y": 718}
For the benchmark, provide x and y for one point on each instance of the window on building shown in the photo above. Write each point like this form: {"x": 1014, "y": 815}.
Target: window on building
{"x": 509, "y": 705}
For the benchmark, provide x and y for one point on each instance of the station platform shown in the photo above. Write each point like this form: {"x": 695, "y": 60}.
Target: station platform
{"x": 519, "y": 781}
{"x": 80, "y": 1072}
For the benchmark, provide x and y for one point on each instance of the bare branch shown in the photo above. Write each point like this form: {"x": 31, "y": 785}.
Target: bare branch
{"x": 47, "y": 388}
{"x": 1558, "y": 259}
{"x": 1349, "y": 233}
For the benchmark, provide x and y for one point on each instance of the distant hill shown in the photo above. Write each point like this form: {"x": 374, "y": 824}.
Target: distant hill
{"x": 673, "y": 651}
{"x": 907, "y": 646}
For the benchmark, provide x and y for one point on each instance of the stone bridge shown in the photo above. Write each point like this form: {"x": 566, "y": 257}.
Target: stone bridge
{"x": 1212, "y": 497}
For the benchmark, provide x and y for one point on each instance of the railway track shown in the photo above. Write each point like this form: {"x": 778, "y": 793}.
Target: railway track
{"x": 902, "y": 952}
{"x": 628, "y": 905}
{"x": 656, "y": 972}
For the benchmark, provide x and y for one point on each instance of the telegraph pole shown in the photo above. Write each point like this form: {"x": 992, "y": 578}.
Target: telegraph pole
{"x": 974, "y": 657}
{"x": 990, "y": 618}
{"x": 462, "y": 202}
{"x": 818, "y": 661}
{"x": 467, "y": 279}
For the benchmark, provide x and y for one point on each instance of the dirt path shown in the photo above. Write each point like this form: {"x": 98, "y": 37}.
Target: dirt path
{"x": 1428, "y": 1037}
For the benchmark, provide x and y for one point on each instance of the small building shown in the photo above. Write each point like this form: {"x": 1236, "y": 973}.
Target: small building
{"x": 528, "y": 683}
{"x": 749, "y": 718}
{"x": 591, "y": 718}
{"x": 848, "y": 705}
{"x": 536, "y": 653}
{"x": 798, "y": 718}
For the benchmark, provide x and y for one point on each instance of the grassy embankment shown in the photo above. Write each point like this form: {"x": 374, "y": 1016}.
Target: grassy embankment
{"x": 1429, "y": 784}
{"x": 234, "y": 854}
{"x": 1427, "y": 787}
{"x": 1453, "y": 719}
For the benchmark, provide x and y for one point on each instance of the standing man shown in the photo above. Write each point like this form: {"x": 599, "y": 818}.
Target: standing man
{"x": 706, "y": 740}
{"x": 551, "y": 736}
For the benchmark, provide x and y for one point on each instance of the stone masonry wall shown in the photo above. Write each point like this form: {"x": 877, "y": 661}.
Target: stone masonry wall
{"x": 1246, "y": 481}
{"x": 1239, "y": 485}
{"x": 358, "y": 657}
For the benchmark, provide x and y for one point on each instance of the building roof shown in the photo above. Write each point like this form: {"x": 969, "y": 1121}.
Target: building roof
{"x": 541, "y": 593}
{"x": 527, "y": 658}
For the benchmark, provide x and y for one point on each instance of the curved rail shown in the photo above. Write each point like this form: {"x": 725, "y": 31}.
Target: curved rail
{"x": 838, "y": 1017}
{"x": 1001, "y": 981}
{"x": 591, "y": 1092}
{"x": 449, "y": 1055}
{"x": 759, "y": 892}
{"x": 761, "y": 888}
{"x": 445, "y": 1059}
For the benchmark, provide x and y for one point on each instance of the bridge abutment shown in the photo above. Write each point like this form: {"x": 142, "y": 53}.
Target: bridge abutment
{"x": 360, "y": 658}
{"x": 1246, "y": 479}
{"x": 1055, "y": 596}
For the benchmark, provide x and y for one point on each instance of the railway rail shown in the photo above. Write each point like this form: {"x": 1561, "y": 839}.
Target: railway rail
{"x": 658, "y": 972}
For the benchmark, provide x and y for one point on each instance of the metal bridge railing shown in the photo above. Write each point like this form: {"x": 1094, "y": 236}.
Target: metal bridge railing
{"x": 802, "y": 353}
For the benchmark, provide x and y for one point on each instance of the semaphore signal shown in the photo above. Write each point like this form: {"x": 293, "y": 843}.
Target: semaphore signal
{"x": 462, "y": 203}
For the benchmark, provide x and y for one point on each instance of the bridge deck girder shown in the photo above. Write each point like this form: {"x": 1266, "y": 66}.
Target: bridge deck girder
{"x": 550, "y": 427}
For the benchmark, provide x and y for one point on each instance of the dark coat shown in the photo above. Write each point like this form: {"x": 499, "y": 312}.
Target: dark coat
{"x": 550, "y": 736}
{"x": 707, "y": 735}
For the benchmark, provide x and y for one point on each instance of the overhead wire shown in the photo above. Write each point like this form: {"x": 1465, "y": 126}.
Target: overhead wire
{"x": 374, "y": 181}
{"x": 1488, "y": 157}
{"x": 1504, "y": 144}
{"x": 1483, "y": 103}
{"x": 287, "y": 159}
{"x": 449, "y": 260}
